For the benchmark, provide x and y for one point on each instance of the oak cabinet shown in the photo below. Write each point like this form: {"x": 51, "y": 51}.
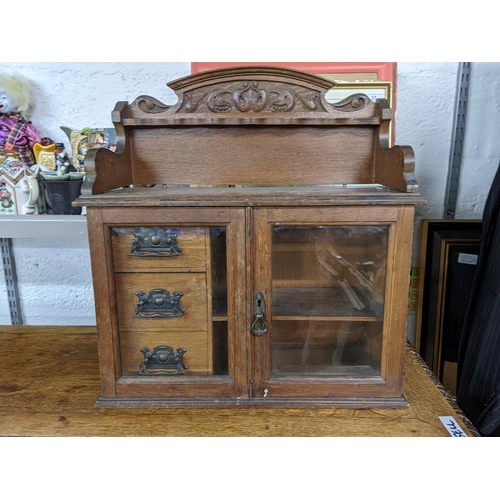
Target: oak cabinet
{"x": 247, "y": 251}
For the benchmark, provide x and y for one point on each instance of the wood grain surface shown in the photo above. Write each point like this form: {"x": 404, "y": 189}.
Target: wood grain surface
{"x": 49, "y": 383}
{"x": 191, "y": 242}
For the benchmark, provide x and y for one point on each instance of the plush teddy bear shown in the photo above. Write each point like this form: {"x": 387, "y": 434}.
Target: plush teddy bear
{"x": 17, "y": 135}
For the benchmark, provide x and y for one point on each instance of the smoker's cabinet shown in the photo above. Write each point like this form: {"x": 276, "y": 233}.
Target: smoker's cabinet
{"x": 251, "y": 245}
{"x": 260, "y": 305}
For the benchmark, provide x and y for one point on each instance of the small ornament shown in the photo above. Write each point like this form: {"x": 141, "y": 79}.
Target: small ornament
{"x": 64, "y": 166}
{"x": 45, "y": 155}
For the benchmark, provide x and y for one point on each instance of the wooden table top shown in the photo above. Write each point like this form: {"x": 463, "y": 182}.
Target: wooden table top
{"x": 49, "y": 383}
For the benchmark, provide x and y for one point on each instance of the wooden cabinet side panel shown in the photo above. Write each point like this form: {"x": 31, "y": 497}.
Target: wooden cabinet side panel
{"x": 105, "y": 301}
{"x": 396, "y": 304}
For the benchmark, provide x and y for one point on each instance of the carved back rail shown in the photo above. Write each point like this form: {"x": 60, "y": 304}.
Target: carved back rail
{"x": 256, "y": 125}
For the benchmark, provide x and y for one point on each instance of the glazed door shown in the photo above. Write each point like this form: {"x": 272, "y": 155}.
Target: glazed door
{"x": 329, "y": 296}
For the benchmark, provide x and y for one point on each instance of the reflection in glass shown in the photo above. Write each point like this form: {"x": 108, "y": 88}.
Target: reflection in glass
{"x": 328, "y": 300}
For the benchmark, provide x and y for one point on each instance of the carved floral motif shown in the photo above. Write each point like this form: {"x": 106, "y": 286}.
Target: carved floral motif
{"x": 353, "y": 102}
{"x": 151, "y": 105}
{"x": 216, "y": 103}
{"x": 249, "y": 97}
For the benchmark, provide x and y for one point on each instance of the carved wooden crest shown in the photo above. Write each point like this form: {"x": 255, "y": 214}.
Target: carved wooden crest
{"x": 257, "y": 92}
{"x": 250, "y": 96}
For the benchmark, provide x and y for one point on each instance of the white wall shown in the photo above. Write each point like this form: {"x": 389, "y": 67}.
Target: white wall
{"x": 81, "y": 95}
{"x": 55, "y": 282}
{"x": 481, "y": 155}
{"x": 425, "y": 112}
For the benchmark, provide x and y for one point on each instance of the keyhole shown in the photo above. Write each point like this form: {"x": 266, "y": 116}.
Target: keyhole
{"x": 259, "y": 303}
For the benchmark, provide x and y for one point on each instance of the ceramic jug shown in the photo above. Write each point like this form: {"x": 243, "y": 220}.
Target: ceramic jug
{"x": 19, "y": 190}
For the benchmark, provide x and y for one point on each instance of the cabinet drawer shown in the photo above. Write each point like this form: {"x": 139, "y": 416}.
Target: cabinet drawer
{"x": 146, "y": 301}
{"x": 153, "y": 249}
{"x": 196, "y": 345}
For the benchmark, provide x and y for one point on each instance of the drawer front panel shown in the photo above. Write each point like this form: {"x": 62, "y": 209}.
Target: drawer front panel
{"x": 156, "y": 249}
{"x": 195, "y": 343}
{"x": 190, "y": 314}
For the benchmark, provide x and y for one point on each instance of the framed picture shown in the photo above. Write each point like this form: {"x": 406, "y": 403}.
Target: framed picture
{"x": 349, "y": 71}
{"x": 374, "y": 90}
{"x": 448, "y": 256}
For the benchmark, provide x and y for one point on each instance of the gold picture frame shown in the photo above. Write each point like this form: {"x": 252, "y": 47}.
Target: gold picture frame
{"x": 374, "y": 90}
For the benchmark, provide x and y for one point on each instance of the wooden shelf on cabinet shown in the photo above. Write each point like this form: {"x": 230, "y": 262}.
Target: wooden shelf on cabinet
{"x": 327, "y": 303}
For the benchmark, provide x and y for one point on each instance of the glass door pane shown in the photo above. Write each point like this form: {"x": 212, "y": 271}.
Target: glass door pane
{"x": 328, "y": 300}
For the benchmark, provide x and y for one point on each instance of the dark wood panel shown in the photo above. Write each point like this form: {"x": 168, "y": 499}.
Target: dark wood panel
{"x": 252, "y": 155}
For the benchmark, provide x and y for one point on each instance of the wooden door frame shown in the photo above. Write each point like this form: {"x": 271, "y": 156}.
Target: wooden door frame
{"x": 116, "y": 386}
{"x": 400, "y": 220}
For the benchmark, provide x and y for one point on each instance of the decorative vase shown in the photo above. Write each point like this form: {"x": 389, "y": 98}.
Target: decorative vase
{"x": 60, "y": 194}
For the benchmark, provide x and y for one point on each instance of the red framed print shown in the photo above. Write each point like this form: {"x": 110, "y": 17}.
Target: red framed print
{"x": 367, "y": 71}
{"x": 376, "y": 79}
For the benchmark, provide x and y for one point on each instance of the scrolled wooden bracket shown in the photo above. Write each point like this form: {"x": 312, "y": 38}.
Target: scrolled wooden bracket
{"x": 106, "y": 169}
{"x": 392, "y": 167}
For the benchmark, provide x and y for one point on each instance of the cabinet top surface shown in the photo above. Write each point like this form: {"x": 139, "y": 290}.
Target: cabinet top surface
{"x": 185, "y": 196}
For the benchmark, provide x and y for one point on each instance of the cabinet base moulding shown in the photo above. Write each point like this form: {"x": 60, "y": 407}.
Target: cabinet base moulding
{"x": 256, "y": 403}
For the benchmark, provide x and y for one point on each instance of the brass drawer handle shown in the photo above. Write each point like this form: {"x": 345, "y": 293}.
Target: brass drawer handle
{"x": 158, "y": 304}
{"x": 163, "y": 358}
{"x": 155, "y": 242}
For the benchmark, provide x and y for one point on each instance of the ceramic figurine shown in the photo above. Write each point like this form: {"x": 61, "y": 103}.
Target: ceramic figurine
{"x": 19, "y": 190}
{"x": 17, "y": 135}
{"x": 79, "y": 145}
{"x": 82, "y": 140}
{"x": 64, "y": 166}
{"x": 45, "y": 156}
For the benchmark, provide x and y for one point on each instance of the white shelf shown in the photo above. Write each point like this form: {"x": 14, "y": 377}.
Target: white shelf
{"x": 43, "y": 226}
